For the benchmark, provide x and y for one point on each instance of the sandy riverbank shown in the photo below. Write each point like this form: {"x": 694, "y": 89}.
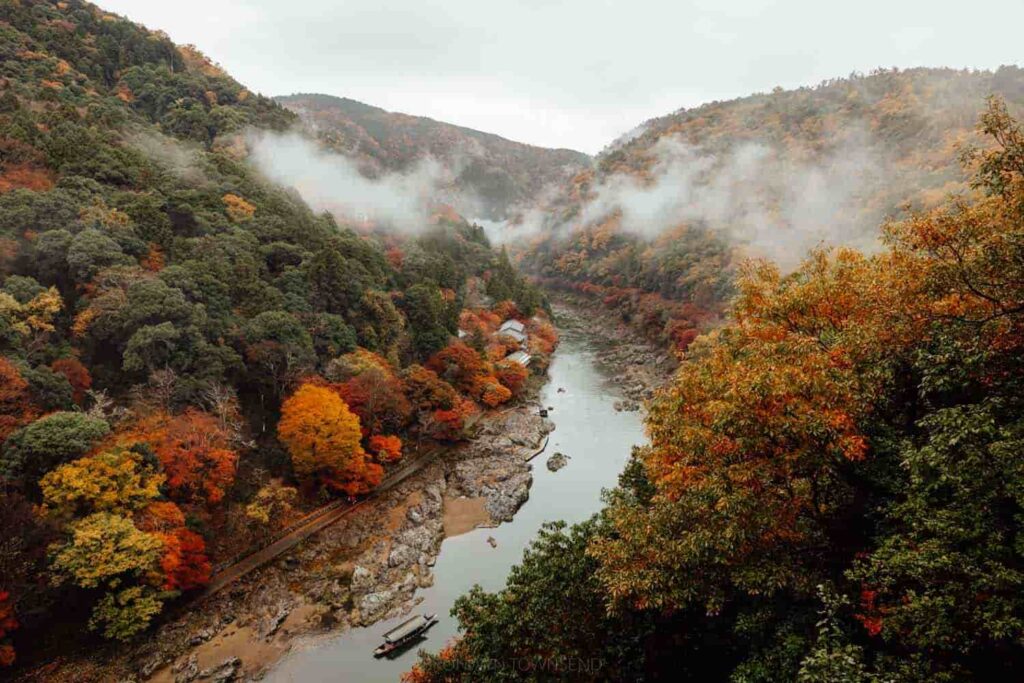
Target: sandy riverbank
{"x": 464, "y": 514}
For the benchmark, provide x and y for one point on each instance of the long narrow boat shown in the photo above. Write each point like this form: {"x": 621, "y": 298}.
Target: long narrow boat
{"x": 408, "y": 630}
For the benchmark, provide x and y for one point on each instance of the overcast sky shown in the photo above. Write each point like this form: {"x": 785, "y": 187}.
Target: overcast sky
{"x": 572, "y": 73}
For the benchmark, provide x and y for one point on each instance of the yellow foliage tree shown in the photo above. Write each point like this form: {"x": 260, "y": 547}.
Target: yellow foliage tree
{"x": 109, "y": 482}
{"x": 273, "y": 503}
{"x": 103, "y": 549}
{"x": 35, "y": 316}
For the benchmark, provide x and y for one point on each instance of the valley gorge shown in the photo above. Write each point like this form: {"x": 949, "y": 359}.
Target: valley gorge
{"x": 296, "y": 387}
{"x": 316, "y": 612}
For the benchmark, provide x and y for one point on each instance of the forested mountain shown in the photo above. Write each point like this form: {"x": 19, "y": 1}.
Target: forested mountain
{"x": 491, "y": 174}
{"x": 833, "y": 485}
{"x": 191, "y": 359}
{"x": 162, "y": 305}
{"x": 670, "y": 209}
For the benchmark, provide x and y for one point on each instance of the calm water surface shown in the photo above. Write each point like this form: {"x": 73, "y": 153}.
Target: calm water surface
{"x": 598, "y": 440}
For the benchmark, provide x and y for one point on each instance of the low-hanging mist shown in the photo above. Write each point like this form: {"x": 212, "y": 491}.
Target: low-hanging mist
{"x": 332, "y": 182}
{"x": 761, "y": 198}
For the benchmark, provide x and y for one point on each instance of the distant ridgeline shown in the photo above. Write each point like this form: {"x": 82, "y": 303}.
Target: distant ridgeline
{"x": 660, "y": 223}
{"x": 498, "y": 175}
{"x": 161, "y": 305}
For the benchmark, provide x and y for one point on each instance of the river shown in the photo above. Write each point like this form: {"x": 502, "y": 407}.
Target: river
{"x": 598, "y": 440}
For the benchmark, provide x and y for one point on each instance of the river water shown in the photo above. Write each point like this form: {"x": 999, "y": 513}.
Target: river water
{"x": 598, "y": 440}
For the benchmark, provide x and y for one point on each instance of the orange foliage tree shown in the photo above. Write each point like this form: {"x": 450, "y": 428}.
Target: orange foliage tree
{"x": 323, "y": 438}
{"x": 161, "y": 515}
{"x": 16, "y": 408}
{"x": 490, "y": 392}
{"x": 238, "y": 209}
{"x": 426, "y": 391}
{"x": 481, "y": 321}
{"x": 749, "y": 442}
{"x": 506, "y": 309}
{"x": 77, "y": 375}
{"x": 378, "y": 398}
{"x": 511, "y": 375}
{"x": 154, "y": 259}
{"x": 194, "y": 452}
{"x": 387, "y": 448}
{"x": 184, "y": 562}
{"x": 543, "y": 337}
{"x": 459, "y": 365}
{"x": 448, "y": 424}
{"x": 449, "y": 654}
{"x": 395, "y": 257}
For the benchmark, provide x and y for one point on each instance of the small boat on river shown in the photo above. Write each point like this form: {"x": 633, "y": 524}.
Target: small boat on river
{"x": 408, "y": 630}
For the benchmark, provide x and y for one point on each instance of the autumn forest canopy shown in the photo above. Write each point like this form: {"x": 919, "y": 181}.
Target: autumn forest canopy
{"x": 192, "y": 358}
{"x": 832, "y": 486}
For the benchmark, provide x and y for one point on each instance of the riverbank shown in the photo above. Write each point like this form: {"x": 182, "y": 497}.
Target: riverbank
{"x": 373, "y": 565}
{"x": 597, "y": 441}
{"x": 636, "y": 367}
{"x": 365, "y": 568}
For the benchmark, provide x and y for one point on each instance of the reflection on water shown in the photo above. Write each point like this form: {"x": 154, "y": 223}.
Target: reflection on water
{"x": 598, "y": 440}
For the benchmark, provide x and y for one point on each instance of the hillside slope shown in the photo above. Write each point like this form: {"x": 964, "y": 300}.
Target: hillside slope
{"x": 832, "y": 484}
{"x": 162, "y": 303}
{"x": 669, "y": 208}
{"x": 499, "y": 173}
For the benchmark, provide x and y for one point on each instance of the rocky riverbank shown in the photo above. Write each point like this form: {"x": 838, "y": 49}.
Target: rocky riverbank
{"x": 637, "y": 367}
{"x": 368, "y": 566}
{"x": 365, "y": 568}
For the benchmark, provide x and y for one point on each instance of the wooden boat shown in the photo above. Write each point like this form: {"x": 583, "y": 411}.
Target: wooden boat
{"x": 408, "y": 630}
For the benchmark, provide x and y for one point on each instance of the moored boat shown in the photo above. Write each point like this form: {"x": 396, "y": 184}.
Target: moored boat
{"x": 408, "y": 630}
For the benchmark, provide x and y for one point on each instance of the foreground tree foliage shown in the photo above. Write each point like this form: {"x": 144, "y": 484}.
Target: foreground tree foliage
{"x": 832, "y": 490}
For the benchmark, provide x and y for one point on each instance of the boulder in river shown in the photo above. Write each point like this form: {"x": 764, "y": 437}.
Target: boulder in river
{"x": 505, "y": 496}
{"x": 557, "y": 461}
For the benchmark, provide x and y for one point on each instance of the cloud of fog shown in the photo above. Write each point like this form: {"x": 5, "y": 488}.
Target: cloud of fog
{"x": 765, "y": 199}
{"x": 180, "y": 158}
{"x": 332, "y": 182}
{"x": 522, "y": 227}
{"x": 523, "y": 223}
